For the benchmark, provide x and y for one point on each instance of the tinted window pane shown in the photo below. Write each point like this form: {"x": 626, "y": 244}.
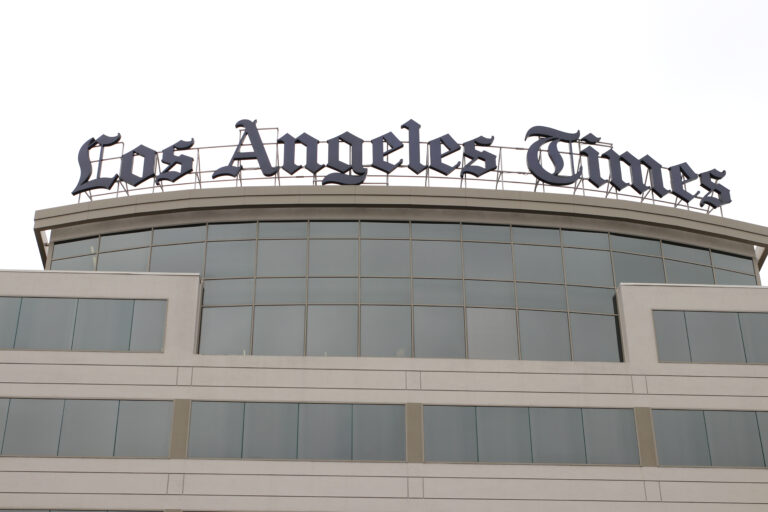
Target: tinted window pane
{"x": 385, "y": 230}
{"x": 3, "y": 416}
{"x": 278, "y": 330}
{"x": 681, "y": 438}
{"x": 332, "y": 229}
{"x": 439, "y": 332}
{"x": 46, "y": 324}
{"x": 754, "y": 332}
{"x": 734, "y": 439}
{"x": 385, "y": 291}
{"x": 557, "y": 435}
{"x": 216, "y": 430}
{"x": 378, "y": 432}
{"x": 230, "y": 259}
{"x": 134, "y": 260}
{"x": 630, "y": 268}
{"x": 81, "y": 263}
{"x": 541, "y": 236}
{"x": 685, "y": 253}
{"x": 638, "y": 245}
{"x": 583, "y": 266}
{"x": 103, "y": 324}
{"x": 386, "y": 331}
{"x": 333, "y": 257}
{"x": 610, "y": 436}
{"x": 728, "y": 277}
{"x": 9, "y": 316}
{"x": 450, "y": 434}
{"x": 281, "y": 291}
{"x": 591, "y": 300}
{"x": 687, "y": 273}
{"x": 32, "y": 427}
{"x": 503, "y": 434}
{"x": 178, "y": 235}
{"x": 228, "y": 292}
{"x": 329, "y": 290}
{"x": 437, "y": 291}
{"x": 270, "y": 431}
{"x": 332, "y": 331}
{"x": 492, "y": 333}
{"x": 325, "y": 431}
{"x": 427, "y": 231}
{"x": 282, "y": 258}
{"x": 540, "y": 264}
{"x": 586, "y": 239}
{"x": 762, "y": 421}
{"x": 671, "y": 336}
{"x": 594, "y": 338}
{"x": 485, "y": 233}
{"x": 490, "y": 293}
{"x": 148, "y": 328}
{"x": 76, "y": 248}
{"x": 488, "y": 261}
{"x": 544, "y": 336}
{"x": 177, "y": 258}
{"x": 731, "y": 262}
{"x": 226, "y": 331}
{"x": 125, "y": 241}
{"x": 385, "y": 258}
{"x": 436, "y": 259}
{"x": 88, "y": 428}
{"x": 242, "y": 230}
{"x": 283, "y": 229}
{"x": 540, "y": 296}
{"x": 714, "y": 337}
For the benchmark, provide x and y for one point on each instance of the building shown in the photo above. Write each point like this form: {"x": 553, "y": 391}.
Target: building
{"x": 384, "y": 349}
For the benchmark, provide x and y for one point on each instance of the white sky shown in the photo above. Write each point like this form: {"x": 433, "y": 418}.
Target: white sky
{"x": 681, "y": 81}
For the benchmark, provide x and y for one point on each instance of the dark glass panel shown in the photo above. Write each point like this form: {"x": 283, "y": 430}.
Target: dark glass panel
{"x": 378, "y": 432}
{"x": 385, "y": 229}
{"x": 538, "y": 264}
{"x": 544, "y": 336}
{"x": 148, "y": 328}
{"x": 728, "y": 277}
{"x": 714, "y": 337}
{"x": 557, "y": 435}
{"x": 332, "y": 331}
{"x": 103, "y": 324}
{"x": 385, "y": 331}
{"x": 487, "y": 261}
{"x": 283, "y": 229}
{"x": 671, "y": 336}
{"x": 385, "y": 258}
{"x": 46, "y": 324}
{"x": 122, "y": 241}
{"x": 133, "y": 260}
{"x": 333, "y": 257}
{"x": 385, "y": 291}
{"x": 32, "y": 428}
{"x": 685, "y": 253}
{"x": 754, "y": 332}
{"x": 178, "y": 235}
{"x": 143, "y": 428}
{"x": 80, "y": 263}
{"x": 216, "y": 430}
{"x": 236, "y": 231}
{"x": 88, "y": 428}
{"x": 540, "y": 236}
{"x": 687, "y": 273}
{"x": 177, "y": 258}
{"x": 439, "y": 331}
{"x": 610, "y": 436}
{"x": 585, "y": 239}
{"x": 230, "y": 259}
{"x": 634, "y": 244}
{"x": 435, "y": 231}
{"x": 734, "y": 438}
{"x": 281, "y": 291}
{"x": 540, "y": 296}
{"x": 226, "y": 331}
{"x": 325, "y": 431}
{"x": 503, "y": 434}
{"x": 491, "y": 333}
{"x": 281, "y": 258}
{"x": 591, "y": 300}
{"x": 436, "y": 259}
{"x": 278, "y": 330}
{"x": 595, "y": 338}
{"x": 228, "y": 292}
{"x": 630, "y": 268}
{"x": 681, "y": 438}
{"x": 333, "y": 229}
{"x": 270, "y": 431}
{"x": 437, "y": 292}
{"x": 485, "y": 233}
{"x": 333, "y": 290}
{"x": 450, "y": 434}
{"x": 9, "y": 317}
{"x": 732, "y": 262}
{"x": 75, "y": 248}
{"x": 590, "y": 267}
{"x": 490, "y": 293}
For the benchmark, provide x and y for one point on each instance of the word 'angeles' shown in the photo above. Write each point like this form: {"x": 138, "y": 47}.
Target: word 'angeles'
{"x": 354, "y": 172}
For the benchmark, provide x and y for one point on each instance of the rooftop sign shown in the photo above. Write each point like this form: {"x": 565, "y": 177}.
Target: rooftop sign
{"x": 600, "y": 167}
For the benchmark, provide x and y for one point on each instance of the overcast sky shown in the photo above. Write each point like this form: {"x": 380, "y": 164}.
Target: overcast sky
{"x": 681, "y": 81}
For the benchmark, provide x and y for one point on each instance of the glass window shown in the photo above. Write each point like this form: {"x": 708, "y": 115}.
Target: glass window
{"x": 332, "y": 229}
{"x": 332, "y": 290}
{"x": 378, "y": 432}
{"x": 754, "y": 332}
{"x": 634, "y": 244}
{"x": 434, "y": 231}
{"x": 9, "y": 317}
{"x": 671, "y": 336}
{"x": 270, "y": 431}
{"x": 610, "y": 436}
{"x": 103, "y": 324}
{"x": 46, "y": 324}
{"x": 585, "y": 266}
{"x": 438, "y": 331}
{"x": 731, "y": 262}
{"x": 333, "y": 257}
{"x": 32, "y": 427}
{"x": 133, "y": 260}
{"x": 332, "y": 331}
{"x": 490, "y": 293}
{"x": 75, "y": 248}
{"x": 282, "y": 258}
{"x": 385, "y": 229}
{"x": 541, "y": 236}
{"x": 216, "y": 430}
{"x": 591, "y": 300}
{"x": 179, "y": 235}
{"x": 491, "y": 333}
{"x": 122, "y": 241}
{"x": 283, "y": 229}
{"x": 488, "y": 261}
{"x": 450, "y": 434}
{"x": 485, "y": 233}
{"x": 762, "y": 422}
{"x": 88, "y": 428}
{"x": 325, "y": 431}
{"x": 81, "y": 263}
{"x": 236, "y": 231}
{"x": 540, "y": 296}
{"x": 728, "y": 277}
{"x": 385, "y": 258}
{"x": 734, "y": 438}
{"x": 3, "y": 417}
{"x": 595, "y": 338}
{"x": 385, "y": 331}
{"x": 177, "y": 258}
{"x": 143, "y": 428}
{"x": 585, "y": 239}
{"x": 539, "y": 264}
{"x": 714, "y": 337}
{"x": 436, "y": 259}
{"x": 630, "y": 268}
{"x": 229, "y": 292}
{"x": 503, "y": 434}
{"x": 281, "y": 291}
{"x": 557, "y": 435}
{"x": 230, "y": 259}
{"x": 681, "y": 438}
{"x": 385, "y": 291}
{"x": 685, "y": 253}
{"x": 226, "y": 331}
{"x": 437, "y": 291}
{"x": 544, "y": 336}
{"x": 148, "y": 328}
{"x": 278, "y": 330}
{"x": 687, "y": 273}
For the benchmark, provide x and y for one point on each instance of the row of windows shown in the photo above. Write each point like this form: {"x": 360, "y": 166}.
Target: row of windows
{"x": 82, "y": 324}
{"x": 711, "y": 337}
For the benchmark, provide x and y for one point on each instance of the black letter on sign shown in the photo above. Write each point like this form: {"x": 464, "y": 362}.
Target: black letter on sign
{"x": 289, "y": 152}
{"x": 552, "y": 137}
{"x": 378, "y": 152}
{"x": 436, "y": 157}
{"x": 635, "y": 171}
{"x": 414, "y": 143}
{"x": 173, "y": 160}
{"x": 724, "y": 194}
{"x": 489, "y": 159}
{"x": 83, "y": 158}
{"x": 258, "y": 153}
{"x": 335, "y": 163}
{"x": 654, "y": 170}
{"x": 126, "y": 165}
{"x": 676, "y": 173}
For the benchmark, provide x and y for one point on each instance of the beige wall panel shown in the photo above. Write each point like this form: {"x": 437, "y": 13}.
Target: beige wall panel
{"x": 542, "y": 382}
{"x": 715, "y": 492}
{"x": 724, "y": 386}
{"x": 88, "y": 374}
{"x": 83, "y": 483}
{"x": 320, "y": 486}
{"x": 260, "y": 377}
